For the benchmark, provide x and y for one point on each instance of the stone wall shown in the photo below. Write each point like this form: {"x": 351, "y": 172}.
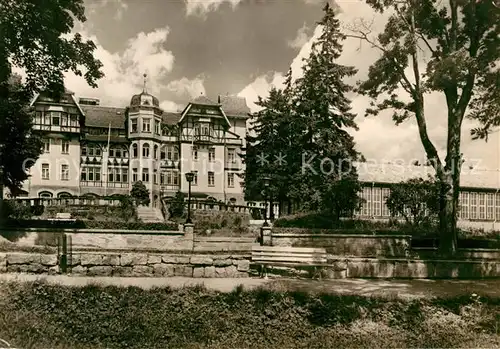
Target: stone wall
{"x": 133, "y": 241}
{"x": 355, "y": 245}
{"x": 131, "y": 264}
{"x": 222, "y": 244}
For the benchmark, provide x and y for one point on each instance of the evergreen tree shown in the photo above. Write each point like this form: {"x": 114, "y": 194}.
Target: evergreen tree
{"x": 323, "y": 114}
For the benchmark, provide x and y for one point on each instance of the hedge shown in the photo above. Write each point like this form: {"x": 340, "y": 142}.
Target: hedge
{"x": 38, "y": 315}
{"x": 88, "y": 224}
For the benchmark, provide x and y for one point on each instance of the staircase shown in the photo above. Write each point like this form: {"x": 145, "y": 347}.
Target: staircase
{"x": 150, "y": 214}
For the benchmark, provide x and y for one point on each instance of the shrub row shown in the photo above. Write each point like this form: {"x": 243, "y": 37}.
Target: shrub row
{"x": 53, "y": 316}
{"x": 87, "y": 224}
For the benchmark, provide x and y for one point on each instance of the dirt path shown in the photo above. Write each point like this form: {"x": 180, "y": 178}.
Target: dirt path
{"x": 391, "y": 288}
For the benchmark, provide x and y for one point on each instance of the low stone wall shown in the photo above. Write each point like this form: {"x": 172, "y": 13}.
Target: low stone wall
{"x": 132, "y": 240}
{"x": 355, "y": 245}
{"x": 131, "y": 264}
{"x": 222, "y": 244}
{"x": 462, "y": 253}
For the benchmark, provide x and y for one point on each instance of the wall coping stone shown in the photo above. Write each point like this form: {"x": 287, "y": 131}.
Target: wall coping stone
{"x": 292, "y": 235}
{"x": 100, "y": 231}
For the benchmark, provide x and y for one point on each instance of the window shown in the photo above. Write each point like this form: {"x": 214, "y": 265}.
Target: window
{"x": 118, "y": 153}
{"x": 464, "y": 205}
{"x": 211, "y": 154}
{"x": 377, "y": 200}
{"x": 157, "y": 127}
{"x": 46, "y": 145}
{"x": 134, "y": 150}
{"x": 146, "y": 125}
{"x": 91, "y": 174}
{"x": 65, "y": 147}
{"x": 489, "y": 207}
{"x": 145, "y": 175}
{"x": 64, "y": 172}
{"x": 45, "y": 171}
{"x": 73, "y": 120}
{"x": 163, "y": 153}
{"x": 211, "y": 179}
{"x": 145, "y": 150}
{"x": 135, "y": 177}
{"x": 56, "y": 118}
{"x": 230, "y": 156}
{"x": 482, "y": 206}
{"x": 111, "y": 174}
{"x": 195, "y": 178}
{"x": 111, "y": 153}
{"x": 133, "y": 128}
{"x": 473, "y": 205}
{"x": 195, "y": 153}
{"x": 38, "y": 118}
{"x": 155, "y": 178}
{"x": 155, "y": 152}
{"x": 497, "y": 207}
{"x": 64, "y": 119}
{"x": 230, "y": 180}
{"x": 367, "y": 203}
{"x": 385, "y": 194}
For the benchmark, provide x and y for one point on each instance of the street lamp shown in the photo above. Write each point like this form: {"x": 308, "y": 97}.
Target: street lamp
{"x": 189, "y": 178}
{"x": 267, "y": 181}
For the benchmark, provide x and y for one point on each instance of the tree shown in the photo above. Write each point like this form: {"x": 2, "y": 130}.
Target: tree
{"x": 140, "y": 194}
{"x": 18, "y": 142}
{"x": 323, "y": 114}
{"x": 177, "y": 205}
{"x": 463, "y": 39}
{"x": 416, "y": 200}
{"x": 35, "y": 37}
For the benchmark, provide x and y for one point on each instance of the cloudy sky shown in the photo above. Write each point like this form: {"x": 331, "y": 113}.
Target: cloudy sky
{"x": 243, "y": 47}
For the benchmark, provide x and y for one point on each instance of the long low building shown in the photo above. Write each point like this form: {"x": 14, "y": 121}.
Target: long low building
{"x": 479, "y": 199}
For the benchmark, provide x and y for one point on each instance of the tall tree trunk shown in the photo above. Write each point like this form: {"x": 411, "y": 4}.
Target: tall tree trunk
{"x": 450, "y": 189}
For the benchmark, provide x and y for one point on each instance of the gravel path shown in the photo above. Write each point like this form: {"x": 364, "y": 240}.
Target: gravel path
{"x": 391, "y": 288}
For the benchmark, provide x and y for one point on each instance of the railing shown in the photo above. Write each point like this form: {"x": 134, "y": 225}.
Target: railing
{"x": 70, "y": 201}
{"x": 232, "y": 165}
{"x": 91, "y": 183}
{"x": 60, "y": 128}
{"x": 117, "y": 185}
{"x": 203, "y": 138}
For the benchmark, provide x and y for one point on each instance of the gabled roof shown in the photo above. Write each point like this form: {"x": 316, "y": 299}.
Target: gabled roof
{"x": 170, "y": 118}
{"x": 234, "y": 106}
{"x": 98, "y": 116}
{"x": 203, "y": 100}
{"x": 394, "y": 173}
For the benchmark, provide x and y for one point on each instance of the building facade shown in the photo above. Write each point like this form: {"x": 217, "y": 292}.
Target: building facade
{"x": 96, "y": 151}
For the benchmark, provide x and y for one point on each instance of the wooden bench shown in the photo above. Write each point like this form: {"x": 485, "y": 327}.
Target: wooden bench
{"x": 63, "y": 216}
{"x": 296, "y": 257}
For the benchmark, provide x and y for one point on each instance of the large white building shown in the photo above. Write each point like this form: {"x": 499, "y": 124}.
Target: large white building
{"x": 145, "y": 144}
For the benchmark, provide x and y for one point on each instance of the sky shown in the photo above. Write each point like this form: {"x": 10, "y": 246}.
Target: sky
{"x": 244, "y": 47}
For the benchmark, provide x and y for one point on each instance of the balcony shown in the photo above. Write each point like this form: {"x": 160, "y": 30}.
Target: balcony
{"x": 53, "y": 128}
{"x": 169, "y": 187}
{"x": 90, "y": 183}
{"x": 232, "y": 165}
{"x": 169, "y": 163}
{"x": 117, "y": 185}
{"x": 204, "y": 139}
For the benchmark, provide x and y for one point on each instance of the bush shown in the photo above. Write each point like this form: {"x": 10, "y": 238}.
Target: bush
{"x": 89, "y": 224}
{"x": 140, "y": 194}
{"x": 237, "y": 222}
{"x": 16, "y": 210}
{"x": 177, "y": 205}
{"x": 54, "y": 316}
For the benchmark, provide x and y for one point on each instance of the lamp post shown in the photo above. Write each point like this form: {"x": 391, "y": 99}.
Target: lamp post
{"x": 189, "y": 178}
{"x": 267, "y": 181}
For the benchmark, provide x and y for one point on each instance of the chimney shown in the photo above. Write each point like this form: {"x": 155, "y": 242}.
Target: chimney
{"x": 218, "y": 99}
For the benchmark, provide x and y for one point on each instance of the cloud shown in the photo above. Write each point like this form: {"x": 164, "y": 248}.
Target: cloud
{"x": 145, "y": 53}
{"x": 301, "y": 38}
{"x": 187, "y": 88}
{"x": 170, "y": 106}
{"x": 260, "y": 87}
{"x": 378, "y": 137}
{"x": 118, "y": 5}
{"x": 203, "y": 7}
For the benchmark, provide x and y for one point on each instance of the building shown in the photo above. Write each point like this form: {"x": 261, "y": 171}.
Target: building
{"x": 96, "y": 151}
{"x": 479, "y": 201}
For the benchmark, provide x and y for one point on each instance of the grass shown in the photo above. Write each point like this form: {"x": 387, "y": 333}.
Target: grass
{"x": 39, "y": 315}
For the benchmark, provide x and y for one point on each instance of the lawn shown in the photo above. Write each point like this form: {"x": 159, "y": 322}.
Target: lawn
{"x": 39, "y": 315}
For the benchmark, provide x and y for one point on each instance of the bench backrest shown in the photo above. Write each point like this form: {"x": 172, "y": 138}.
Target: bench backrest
{"x": 63, "y": 215}
{"x": 280, "y": 254}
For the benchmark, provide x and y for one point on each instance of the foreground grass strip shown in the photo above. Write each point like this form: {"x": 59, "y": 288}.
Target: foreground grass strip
{"x": 40, "y": 315}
